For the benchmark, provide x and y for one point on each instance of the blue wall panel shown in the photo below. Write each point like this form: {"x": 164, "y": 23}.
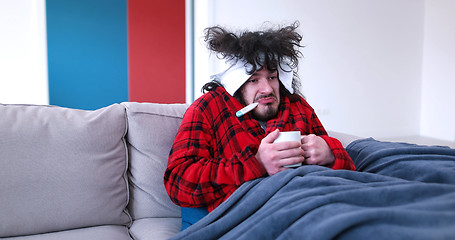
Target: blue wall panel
{"x": 87, "y": 52}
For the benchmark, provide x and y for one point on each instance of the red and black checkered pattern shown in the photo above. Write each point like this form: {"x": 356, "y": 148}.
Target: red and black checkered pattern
{"x": 214, "y": 151}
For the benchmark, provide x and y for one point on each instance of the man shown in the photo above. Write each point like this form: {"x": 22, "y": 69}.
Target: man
{"x": 216, "y": 151}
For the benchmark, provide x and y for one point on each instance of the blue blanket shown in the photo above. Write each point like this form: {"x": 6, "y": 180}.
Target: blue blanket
{"x": 400, "y": 191}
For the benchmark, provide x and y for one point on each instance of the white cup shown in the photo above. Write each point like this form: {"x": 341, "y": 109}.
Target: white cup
{"x": 289, "y": 136}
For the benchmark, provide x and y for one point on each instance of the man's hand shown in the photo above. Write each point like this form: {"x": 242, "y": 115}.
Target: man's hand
{"x": 316, "y": 151}
{"x": 273, "y": 156}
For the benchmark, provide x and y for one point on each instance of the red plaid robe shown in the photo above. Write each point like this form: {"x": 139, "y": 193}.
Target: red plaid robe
{"x": 214, "y": 151}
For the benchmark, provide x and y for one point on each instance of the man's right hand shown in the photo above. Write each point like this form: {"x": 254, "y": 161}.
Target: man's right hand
{"x": 274, "y": 156}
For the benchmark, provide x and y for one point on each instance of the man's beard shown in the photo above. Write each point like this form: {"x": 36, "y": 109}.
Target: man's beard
{"x": 269, "y": 113}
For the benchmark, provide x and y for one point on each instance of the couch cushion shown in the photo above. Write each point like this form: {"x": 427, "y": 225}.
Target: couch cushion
{"x": 344, "y": 138}
{"x": 61, "y": 168}
{"x": 107, "y": 232}
{"x": 151, "y": 132}
{"x": 155, "y": 228}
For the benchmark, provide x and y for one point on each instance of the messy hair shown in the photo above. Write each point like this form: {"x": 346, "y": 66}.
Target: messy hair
{"x": 267, "y": 48}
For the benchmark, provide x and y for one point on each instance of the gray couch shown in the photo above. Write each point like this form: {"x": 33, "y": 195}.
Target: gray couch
{"x": 74, "y": 174}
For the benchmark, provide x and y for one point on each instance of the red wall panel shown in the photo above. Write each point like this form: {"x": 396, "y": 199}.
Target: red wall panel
{"x": 156, "y": 45}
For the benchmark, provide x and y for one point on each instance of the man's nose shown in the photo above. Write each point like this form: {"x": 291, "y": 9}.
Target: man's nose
{"x": 265, "y": 86}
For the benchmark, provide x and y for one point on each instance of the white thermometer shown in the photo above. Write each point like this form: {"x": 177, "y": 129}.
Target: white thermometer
{"x": 246, "y": 109}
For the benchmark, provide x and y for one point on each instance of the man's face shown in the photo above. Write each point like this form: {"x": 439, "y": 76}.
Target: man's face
{"x": 264, "y": 88}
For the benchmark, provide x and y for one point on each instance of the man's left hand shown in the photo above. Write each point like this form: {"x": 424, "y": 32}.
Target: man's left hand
{"x": 316, "y": 151}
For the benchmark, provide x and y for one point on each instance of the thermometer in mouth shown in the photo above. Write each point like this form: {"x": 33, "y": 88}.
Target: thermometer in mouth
{"x": 246, "y": 109}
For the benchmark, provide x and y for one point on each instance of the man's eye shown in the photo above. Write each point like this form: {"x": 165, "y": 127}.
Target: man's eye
{"x": 252, "y": 80}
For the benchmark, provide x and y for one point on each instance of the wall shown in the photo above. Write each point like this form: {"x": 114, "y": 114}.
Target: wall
{"x": 156, "y": 51}
{"x": 438, "y": 86}
{"x": 371, "y": 68}
{"x": 87, "y": 52}
{"x": 84, "y": 45}
{"x": 23, "y": 53}
{"x": 363, "y": 59}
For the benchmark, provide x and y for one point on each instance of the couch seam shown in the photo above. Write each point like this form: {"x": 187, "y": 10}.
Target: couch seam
{"x": 125, "y": 173}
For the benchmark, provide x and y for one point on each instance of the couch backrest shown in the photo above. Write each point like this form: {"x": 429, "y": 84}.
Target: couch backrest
{"x": 61, "y": 168}
{"x": 151, "y": 131}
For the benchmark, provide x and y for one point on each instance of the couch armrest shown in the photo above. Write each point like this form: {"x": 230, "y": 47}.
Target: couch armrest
{"x": 344, "y": 138}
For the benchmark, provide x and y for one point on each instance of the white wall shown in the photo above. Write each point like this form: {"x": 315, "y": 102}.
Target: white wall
{"x": 381, "y": 68}
{"x": 23, "y": 54}
{"x": 438, "y": 86}
{"x": 363, "y": 59}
